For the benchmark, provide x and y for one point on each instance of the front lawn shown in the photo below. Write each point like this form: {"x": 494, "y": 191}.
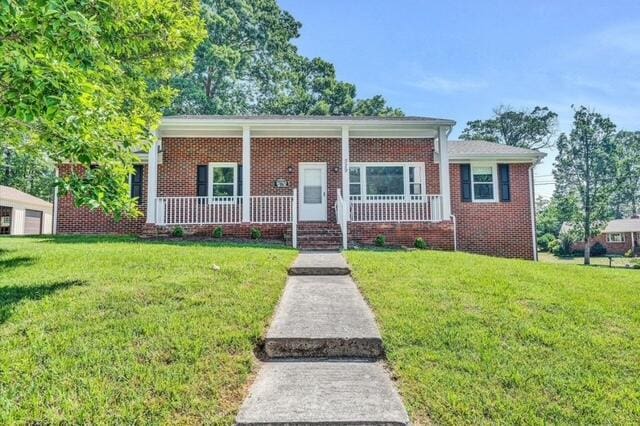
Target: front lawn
{"x": 116, "y": 330}
{"x": 474, "y": 339}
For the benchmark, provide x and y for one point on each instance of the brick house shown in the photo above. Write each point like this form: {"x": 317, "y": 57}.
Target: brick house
{"x": 328, "y": 182}
{"x": 618, "y": 236}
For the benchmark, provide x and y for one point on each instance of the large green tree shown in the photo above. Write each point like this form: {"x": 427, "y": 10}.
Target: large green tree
{"x": 85, "y": 81}
{"x": 27, "y": 171}
{"x": 533, "y": 129}
{"x": 626, "y": 199}
{"x": 249, "y": 65}
{"x": 586, "y": 165}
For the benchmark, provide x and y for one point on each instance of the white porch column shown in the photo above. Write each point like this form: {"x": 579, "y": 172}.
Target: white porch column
{"x": 246, "y": 174}
{"x": 345, "y": 167}
{"x": 445, "y": 187}
{"x": 152, "y": 182}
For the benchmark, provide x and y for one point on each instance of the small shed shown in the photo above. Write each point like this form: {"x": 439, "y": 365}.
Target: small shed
{"x": 24, "y": 214}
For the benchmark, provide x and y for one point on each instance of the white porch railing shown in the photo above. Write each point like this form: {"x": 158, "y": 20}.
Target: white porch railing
{"x": 395, "y": 208}
{"x": 198, "y": 210}
{"x": 224, "y": 210}
{"x": 272, "y": 209}
{"x": 341, "y": 217}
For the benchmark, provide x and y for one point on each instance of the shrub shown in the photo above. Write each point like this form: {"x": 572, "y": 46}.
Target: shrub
{"x": 421, "y": 244}
{"x": 566, "y": 244}
{"x": 628, "y": 253}
{"x": 598, "y": 249}
{"x": 177, "y": 232}
{"x": 217, "y": 233}
{"x": 544, "y": 241}
{"x": 256, "y": 233}
{"x": 380, "y": 240}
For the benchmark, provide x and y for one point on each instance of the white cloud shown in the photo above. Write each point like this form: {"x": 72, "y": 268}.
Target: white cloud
{"x": 448, "y": 85}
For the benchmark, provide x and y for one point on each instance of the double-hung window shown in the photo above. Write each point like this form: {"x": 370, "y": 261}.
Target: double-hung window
{"x": 223, "y": 182}
{"x": 386, "y": 181}
{"x": 615, "y": 238}
{"x": 483, "y": 182}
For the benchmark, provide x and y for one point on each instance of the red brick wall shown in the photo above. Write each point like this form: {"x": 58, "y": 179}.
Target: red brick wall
{"x": 496, "y": 229}
{"x": 398, "y": 150}
{"x": 437, "y": 235}
{"x": 73, "y": 220}
{"x": 270, "y": 158}
{"x": 182, "y": 156}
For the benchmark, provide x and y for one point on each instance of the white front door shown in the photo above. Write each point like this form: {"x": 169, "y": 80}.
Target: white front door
{"x": 313, "y": 191}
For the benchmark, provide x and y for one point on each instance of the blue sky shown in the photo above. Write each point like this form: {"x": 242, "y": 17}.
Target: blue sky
{"x": 461, "y": 59}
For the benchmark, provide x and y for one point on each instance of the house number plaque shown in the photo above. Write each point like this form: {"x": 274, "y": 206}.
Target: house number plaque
{"x": 281, "y": 183}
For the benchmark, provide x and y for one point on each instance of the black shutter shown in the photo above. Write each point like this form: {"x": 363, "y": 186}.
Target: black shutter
{"x": 239, "y": 171}
{"x": 202, "y": 183}
{"x": 136, "y": 182}
{"x": 465, "y": 179}
{"x": 504, "y": 183}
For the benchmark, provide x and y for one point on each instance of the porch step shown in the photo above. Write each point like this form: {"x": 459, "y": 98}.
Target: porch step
{"x": 321, "y": 264}
{"x": 320, "y": 317}
{"x": 331, "y": 392}
{"x": 321, "y": 236}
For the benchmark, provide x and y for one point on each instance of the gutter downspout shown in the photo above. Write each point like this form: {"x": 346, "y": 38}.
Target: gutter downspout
{"x": 533, "y": 211}
{"x": 455, "y": 233}
{"x": 54, "y": 218}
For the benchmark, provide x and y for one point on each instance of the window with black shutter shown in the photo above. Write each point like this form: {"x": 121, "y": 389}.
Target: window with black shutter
{"x": 504, "y": 182}
{"x": 202, "y": 182}
{"x": 465, "y": 179}
{"x": 136, "y": 182}
{"x": 239, "y": 188}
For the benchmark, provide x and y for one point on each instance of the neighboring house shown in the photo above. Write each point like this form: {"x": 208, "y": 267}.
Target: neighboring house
{"x": 23, "y": 214}
{"x": 325, "y": 182}
{"x": 618, "y": 237}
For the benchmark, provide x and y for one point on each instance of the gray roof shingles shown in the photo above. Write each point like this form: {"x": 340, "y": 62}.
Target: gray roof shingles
{"x": 461, "y": 148}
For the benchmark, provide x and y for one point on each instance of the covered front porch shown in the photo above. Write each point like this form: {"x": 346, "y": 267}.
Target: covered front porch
{"x": 280, "y": 174}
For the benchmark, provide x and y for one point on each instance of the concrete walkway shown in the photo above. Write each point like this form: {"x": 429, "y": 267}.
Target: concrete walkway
{"x": 324, "y": 354}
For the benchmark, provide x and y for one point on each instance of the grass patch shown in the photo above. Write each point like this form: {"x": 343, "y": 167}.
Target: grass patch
{"x": 118, "y": 330}
{"x": 616, "y": 262}
{"x": 474, "y": 339}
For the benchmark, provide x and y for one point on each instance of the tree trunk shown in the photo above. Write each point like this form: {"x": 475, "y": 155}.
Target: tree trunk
{"x": 587, "y": 239}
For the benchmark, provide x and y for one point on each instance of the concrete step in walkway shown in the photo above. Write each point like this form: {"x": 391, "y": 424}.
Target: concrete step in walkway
{"x": 320, "y": 263}
{"x": 323, "y": 316}
{"x": 324, "y": 349}
{"x": 323, "y": 392}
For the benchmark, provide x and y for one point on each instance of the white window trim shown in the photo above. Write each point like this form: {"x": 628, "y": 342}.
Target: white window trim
{"x": 225, "y": 199}
{"x": 494, "y": 180}
{"x": 610, "y": 240}
{"x": 405, "y": 174}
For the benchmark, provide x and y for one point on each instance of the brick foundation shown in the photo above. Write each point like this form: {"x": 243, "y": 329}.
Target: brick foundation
{"x": 437, "y": 235}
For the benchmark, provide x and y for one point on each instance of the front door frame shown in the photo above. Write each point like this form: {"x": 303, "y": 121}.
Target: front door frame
{"x": 322, "y": 213}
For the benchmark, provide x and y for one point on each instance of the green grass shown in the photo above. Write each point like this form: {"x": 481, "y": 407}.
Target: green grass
{"x": 116, "y": 330}
{"x": 616, "y": 262}
{"x": 473, "y": 339}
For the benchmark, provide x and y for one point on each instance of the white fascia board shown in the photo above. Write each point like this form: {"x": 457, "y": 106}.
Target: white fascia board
{"x": 299, "y": 128}
{"x": 497, "y": 158}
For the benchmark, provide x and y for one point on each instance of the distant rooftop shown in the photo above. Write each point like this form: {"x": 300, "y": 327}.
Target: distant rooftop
{"x": 623, "y": 225}
{"x": 12, "y": 194}
{"x": 460, "y": 149}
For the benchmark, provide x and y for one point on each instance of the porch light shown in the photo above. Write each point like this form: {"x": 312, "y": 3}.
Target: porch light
{"x": 336, "y": 169}
{"x": 290, "y": 169}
